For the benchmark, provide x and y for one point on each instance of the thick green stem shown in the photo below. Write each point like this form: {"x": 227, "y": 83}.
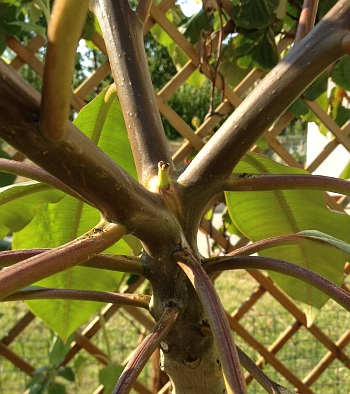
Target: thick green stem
{"x": 133, "y": 82}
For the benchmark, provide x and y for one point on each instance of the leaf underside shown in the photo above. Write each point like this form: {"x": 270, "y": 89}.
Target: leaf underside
{"x": 260, "y": 215}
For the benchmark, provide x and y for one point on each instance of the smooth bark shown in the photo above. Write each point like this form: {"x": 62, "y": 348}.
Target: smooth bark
{"x": 325, "y": 44}
{"x": 127, "y": 56}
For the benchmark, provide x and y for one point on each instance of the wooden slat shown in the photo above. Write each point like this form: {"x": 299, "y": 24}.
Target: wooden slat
{"x": 327, "y": 360}
{"x": 269, "y": 357}
{"x": 16, "y": 360}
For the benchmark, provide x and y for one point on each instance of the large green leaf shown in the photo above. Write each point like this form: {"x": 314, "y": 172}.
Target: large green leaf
{"x": 102, "y": 121}
{"x": 255, "y": 14}
{"x": 54, "y": 225}
{"x": 261, "y": 215}
{"x": 340, "y": 73}
{"x": 20, "y": 202}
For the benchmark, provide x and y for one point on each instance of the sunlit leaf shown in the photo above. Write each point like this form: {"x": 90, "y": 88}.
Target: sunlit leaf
{"x": 20, "y": 202}
{"x": 260, "y": 215}
{"x": 55, "y": 225}
{"x": 337, "y": 243}
{"x": 109, "y": 376}
{"x": 102, "y": 121}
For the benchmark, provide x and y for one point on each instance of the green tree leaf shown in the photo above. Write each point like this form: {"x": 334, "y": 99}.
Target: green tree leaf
{"x": 102, "y": 121}
{"x": 255, "y": 14}
{"x": 318, "y": 87}
{"x": 54, "y": 225}
{"x": 66, "y": 373}
{"x": 57, "y": 388}
{"x": 20, "y": 202}
{"x": 58, "y": 350}
{"x": 260, "y": 215}
{"x": 256, "y": 48}
{"x": 340, "y": 73}
{"x": 5, "y": 178}
{"x": 337, "y": 243}
{"x": 109, "y": 376}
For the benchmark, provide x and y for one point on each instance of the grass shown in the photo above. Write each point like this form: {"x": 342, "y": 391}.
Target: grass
{"x": 265, "y": 321}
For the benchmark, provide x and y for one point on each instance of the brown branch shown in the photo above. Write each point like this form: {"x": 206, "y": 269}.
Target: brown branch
{"x": 137, "y": 300}
{"x": 307, "y": 19}
{"x": 76, "y": 161}
{"x": 268, "y": 384}
{"x": 143, "y": 10}
{"x": 64, "y": 31}
{"x": 145, "y": 350}
{"x": 264, "y": 244}
{"x": 265, "y": 182}
{"x": 126, "y": 53}
{"x": 286, "y": 268}
{"x": 110, "y": 262}
{"x": 278, "y": 90}
{"x": 35, "y": 173}
{"x": 222, "y": 335}
{"x": 38, "y": 267}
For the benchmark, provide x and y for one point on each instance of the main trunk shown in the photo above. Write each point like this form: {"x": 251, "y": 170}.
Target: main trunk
{"x": 188, "y": 354}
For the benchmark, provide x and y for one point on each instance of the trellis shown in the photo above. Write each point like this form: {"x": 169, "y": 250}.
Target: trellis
{"x": 84, "y": 339}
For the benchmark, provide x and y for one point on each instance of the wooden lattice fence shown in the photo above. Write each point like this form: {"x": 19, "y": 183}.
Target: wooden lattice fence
{"x": 328, "y": 371}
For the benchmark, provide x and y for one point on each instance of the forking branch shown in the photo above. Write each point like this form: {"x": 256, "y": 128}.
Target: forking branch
{"x": 325, "y": 44}
{"x": 133, "y": 82}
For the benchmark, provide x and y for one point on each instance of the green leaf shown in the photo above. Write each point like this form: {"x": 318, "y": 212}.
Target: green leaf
{"x": 51, "y": 227}
{"x": 255, "y": 14}
{"x": 57, "y": 388}
{"x": 58, "y": 350}
{"x": 8, "y": 15}
{"x": 318, "y": 235}
{"x": 256, "y": 48}
{"x": 340, "y": 73}
{"x": 193, "y": 27}
{"x": 109, "y": 376}
{"x": 345, "y": 174}
{"x": 318, "y": 87}
{"x": 5, "y": 178}
{"x": 260, "y": 215}
{"x": 66, "y": 373}
{"x": 102, "y": 121}
{"x": 20, "y": 202}
{"x": 299, "y": 107}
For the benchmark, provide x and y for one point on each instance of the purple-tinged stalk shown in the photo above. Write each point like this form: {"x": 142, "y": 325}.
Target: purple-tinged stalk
{"x": 111, "y": 262}
{"x": 137, "y": 300}
{"x": 41, "y": 266}
{"x": 145, "y": 350}
{"x": 234, "y": 380}
{"x": 283, "y": 267}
